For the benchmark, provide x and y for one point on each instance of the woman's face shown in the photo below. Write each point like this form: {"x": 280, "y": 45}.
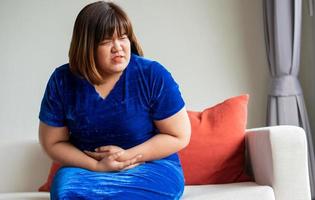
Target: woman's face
{"x": 113, "y": 55}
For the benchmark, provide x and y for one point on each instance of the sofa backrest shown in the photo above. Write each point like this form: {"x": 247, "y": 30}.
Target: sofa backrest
{"x": 24, "y": 165}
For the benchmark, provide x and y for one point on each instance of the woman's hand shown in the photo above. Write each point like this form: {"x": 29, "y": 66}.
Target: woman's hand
{"x": 110, "y": 164}
{"x": 106, "y": 151}
{"x": 113, "y": 158}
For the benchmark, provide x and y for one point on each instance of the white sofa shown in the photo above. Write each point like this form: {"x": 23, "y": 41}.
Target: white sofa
{"x": 277, "y": 157}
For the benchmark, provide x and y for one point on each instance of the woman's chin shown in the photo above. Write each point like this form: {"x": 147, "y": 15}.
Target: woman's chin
{"x": 114, "y": 68}
{"x": 118, "y": 68}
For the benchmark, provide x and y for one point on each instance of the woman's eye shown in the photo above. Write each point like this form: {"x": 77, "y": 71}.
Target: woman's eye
{"x": 106, "y": 42}
{"x": 124, "y": 37}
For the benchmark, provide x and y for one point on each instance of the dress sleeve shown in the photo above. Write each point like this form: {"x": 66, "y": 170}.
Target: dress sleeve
{"x": 166, "y": 99}
{"x": 52, "y": 109}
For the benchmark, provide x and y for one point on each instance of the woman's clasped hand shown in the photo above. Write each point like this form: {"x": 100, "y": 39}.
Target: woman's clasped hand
{"x": 113, "y": 158}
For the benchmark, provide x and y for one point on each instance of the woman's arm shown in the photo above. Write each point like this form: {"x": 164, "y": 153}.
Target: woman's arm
{"x": 174, "y": 135}
{"x": 55, "y": 142}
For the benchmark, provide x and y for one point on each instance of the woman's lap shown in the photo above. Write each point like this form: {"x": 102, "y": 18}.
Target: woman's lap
{"x": 161, "y": 179}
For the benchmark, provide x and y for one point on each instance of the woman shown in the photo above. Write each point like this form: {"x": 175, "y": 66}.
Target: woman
{"x": 112, "y": 118}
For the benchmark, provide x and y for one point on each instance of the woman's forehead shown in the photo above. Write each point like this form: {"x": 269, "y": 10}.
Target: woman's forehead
{"x": 115, "y": 33}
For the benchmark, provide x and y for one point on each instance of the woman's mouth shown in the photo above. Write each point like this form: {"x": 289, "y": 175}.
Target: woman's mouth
{"x": 118, "y": 59}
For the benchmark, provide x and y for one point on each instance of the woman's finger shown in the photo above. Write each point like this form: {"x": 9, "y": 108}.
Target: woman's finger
{"x": 95, "y": 155}
{"x": 116, "y": 155}
{"x": 90, "y": 154}
{"x": 132, "y": 166}
{"x": 109, "y": 148}
{"x": 130, "y": 162}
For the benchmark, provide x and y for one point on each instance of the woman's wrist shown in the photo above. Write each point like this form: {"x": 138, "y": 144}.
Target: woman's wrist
{"x": 94, "y": 165}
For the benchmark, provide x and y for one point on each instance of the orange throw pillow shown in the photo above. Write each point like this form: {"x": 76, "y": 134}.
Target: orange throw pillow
{"x": 47, "y": 185}
{"x": 216, "y": 152}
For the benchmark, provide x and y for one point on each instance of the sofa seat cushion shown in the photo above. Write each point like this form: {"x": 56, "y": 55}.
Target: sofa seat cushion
{"x": 235, "y": 191}
{"x": 25, "y": 196}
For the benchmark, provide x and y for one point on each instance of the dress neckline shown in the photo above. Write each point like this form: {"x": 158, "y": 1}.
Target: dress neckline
{"x": 112, "y": 91}
{"x": 94, "y": 92}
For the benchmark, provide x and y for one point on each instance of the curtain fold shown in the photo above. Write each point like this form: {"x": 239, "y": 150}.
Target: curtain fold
{"x": 282, "y": 25}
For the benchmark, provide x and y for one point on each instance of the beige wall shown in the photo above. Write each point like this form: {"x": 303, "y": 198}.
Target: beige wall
{"x": 214, "y": 49}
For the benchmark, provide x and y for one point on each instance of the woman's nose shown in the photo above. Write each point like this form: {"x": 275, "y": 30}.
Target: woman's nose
{"x": 116, "y": 45}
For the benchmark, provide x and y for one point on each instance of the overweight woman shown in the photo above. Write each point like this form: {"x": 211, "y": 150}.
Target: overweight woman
{"x": 113, "y": 119}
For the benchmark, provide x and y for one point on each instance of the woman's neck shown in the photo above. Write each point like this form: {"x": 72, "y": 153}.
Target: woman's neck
{"x": 110, "y": 79}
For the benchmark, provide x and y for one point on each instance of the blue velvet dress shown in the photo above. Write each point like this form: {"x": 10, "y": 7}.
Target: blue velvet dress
{"x": 144, "y": 92}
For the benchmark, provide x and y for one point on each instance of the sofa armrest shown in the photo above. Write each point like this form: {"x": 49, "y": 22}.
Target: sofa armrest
{"x": 278, "y": 157}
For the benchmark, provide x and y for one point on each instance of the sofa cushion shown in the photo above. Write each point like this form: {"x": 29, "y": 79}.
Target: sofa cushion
{"x": 216, "y": 152}
{"x": 53, "y": 169}
{"x": 235, "y": 191}
{"x": 25, "y": 196}
{"x": 24, "y": 165}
